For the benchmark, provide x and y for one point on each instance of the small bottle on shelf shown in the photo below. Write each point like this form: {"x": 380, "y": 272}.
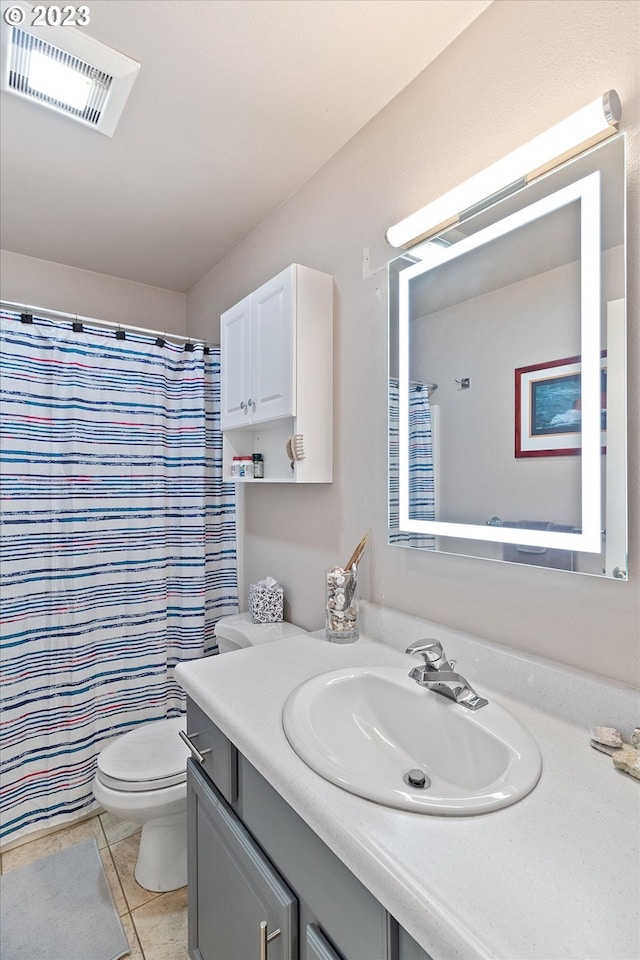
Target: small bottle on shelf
{"x": 242, "y": 468}
{"x": 258, "y": 466}
{"x": 246, "y": 467}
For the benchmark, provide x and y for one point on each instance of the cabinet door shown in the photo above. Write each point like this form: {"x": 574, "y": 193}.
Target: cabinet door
{"x": 317, "y": 946}
{"x": 409, "y": 949}
{"x": 273, "y": 348}
{"x": 233, "y": 888}
{"x": 235, "y": 368}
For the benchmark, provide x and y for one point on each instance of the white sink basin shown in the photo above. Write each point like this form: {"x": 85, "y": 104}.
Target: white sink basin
{"x": 365, "y": 728}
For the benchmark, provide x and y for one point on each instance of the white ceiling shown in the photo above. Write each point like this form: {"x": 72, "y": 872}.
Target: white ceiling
{"x": 237, "y": 104}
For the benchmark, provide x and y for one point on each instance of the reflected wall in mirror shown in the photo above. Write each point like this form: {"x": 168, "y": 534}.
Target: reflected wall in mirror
{"x": 507, "y": 409}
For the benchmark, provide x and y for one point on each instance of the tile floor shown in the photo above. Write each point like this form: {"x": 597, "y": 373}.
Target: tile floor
{"x": 155, "y": 923}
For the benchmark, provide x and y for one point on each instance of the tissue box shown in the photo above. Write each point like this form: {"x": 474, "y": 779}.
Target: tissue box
{"x": 266, "y": 601}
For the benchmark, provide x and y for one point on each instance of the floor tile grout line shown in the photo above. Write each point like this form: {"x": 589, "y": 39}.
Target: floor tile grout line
{"x": 129, "y": 912}
{"x": 133, "y": 922}
{"x": 117, "y": 876}
{"x": 154, "y": 894}
{"x": 137, "y": 936}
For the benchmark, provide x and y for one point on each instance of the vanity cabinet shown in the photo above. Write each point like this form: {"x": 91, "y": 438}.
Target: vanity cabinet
{"x": 253, "y": 860}
{"x": 318, "y": 947}
{"x": 276, "y": 362}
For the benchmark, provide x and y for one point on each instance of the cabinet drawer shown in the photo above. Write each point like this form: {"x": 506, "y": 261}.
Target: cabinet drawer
{"x": 220, "y": 757}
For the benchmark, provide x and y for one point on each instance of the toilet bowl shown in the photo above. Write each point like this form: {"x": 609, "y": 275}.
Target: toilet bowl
{"x": 141, "y": 776}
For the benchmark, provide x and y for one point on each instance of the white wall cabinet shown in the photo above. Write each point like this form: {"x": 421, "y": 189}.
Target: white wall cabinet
{"x": 257, "y": 344}
{"x": 276, "y": 376}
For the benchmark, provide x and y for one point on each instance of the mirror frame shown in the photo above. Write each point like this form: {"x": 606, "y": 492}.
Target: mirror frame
{"x": 587, "y": 192}
{"x": 604, "y": 531}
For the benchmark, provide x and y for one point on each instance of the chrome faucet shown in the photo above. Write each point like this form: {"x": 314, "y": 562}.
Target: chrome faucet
{"x": 436, "y": 673}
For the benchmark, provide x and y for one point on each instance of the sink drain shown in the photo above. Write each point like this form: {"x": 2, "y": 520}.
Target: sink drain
{"x": 417, "y": 778}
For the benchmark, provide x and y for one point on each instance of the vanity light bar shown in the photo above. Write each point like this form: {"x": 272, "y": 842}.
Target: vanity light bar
{"x": 566, "y": 139}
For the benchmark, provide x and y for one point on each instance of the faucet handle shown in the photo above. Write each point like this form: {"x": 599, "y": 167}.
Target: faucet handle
{"x": 431, "y": 651}
{"x": 421, "y": 646}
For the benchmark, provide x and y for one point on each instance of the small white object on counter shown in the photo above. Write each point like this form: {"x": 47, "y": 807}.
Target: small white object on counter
{"x": 626, "y": 756}
{"x": 608, "y": 736}
{"x": 627, "y": 759}
{"x": 266, "y": 601}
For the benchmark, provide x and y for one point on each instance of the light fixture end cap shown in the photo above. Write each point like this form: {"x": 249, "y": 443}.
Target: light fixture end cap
{"x": 612, "y": 107}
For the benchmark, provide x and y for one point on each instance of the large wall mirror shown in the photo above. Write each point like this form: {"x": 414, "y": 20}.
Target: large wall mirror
{"x": 507, "y": 388}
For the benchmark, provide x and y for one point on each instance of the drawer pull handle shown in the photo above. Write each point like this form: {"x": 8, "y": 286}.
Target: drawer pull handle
{"x": 200, "y": 757}
{"x": 266, "y": 938}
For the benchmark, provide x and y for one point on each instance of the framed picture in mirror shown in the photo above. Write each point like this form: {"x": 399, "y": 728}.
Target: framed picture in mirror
{"x": 548, "y": 408}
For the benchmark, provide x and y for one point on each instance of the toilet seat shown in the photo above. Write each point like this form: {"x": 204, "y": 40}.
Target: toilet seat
{"x": 151, "y": 757}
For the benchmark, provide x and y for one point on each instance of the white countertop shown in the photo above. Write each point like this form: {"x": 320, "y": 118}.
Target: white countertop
{"x": 556, "y": 875}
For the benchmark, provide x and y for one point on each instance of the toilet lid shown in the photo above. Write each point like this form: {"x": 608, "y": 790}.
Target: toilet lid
{"x": 148, "y": 758}
{"x": 240, "y": 630}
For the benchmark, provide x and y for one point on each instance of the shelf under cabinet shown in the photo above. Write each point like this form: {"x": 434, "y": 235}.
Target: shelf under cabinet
{"x": 270, "y": 439}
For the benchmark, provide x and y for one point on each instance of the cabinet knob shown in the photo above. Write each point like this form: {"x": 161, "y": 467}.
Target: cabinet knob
{"x": 243, "y": 405}
{"x": 266, "y": 938}
{"x": 251, "y": 403}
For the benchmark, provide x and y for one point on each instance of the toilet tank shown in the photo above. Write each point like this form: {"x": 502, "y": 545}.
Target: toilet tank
{"x": 236, "y": 632}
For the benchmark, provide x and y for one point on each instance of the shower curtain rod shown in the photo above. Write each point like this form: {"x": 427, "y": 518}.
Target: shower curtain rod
{"x": 417, "y": 385}
{"x": 76, "y": 318}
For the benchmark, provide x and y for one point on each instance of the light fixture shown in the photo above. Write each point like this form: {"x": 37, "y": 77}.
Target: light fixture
{"x": 586, "y": 192}
{"x": 57, "y": 81}
{"x": 566, "y": 139}
{"x": 67, "y": 71}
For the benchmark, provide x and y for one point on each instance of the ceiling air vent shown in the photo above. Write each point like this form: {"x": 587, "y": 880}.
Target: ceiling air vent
{"x": 77, "y": 76}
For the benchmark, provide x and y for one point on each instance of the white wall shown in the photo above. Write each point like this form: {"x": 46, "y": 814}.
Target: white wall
{"x": 55, "y": 286}
{"x": 522, "y": 66}
{"x": 485, "y": 339}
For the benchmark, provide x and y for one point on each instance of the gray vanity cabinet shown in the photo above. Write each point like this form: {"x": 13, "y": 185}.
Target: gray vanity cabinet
{"x": 317, "y": 945}
{"x": 253, "y": 859}
{"x": 239, "y": 906}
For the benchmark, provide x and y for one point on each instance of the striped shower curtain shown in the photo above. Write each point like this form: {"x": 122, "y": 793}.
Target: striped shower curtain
{"x": 118, "y": 549}
{"x": 422, "y": 504}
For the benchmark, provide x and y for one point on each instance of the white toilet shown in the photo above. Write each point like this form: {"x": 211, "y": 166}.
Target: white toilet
{"x": 141, "y": 776}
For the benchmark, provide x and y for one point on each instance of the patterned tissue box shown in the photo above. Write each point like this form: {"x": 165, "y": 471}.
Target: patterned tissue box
{"x": 266, "y": 601}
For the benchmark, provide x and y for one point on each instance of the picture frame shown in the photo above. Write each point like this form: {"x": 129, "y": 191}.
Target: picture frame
{"x": 548, "y": 420}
